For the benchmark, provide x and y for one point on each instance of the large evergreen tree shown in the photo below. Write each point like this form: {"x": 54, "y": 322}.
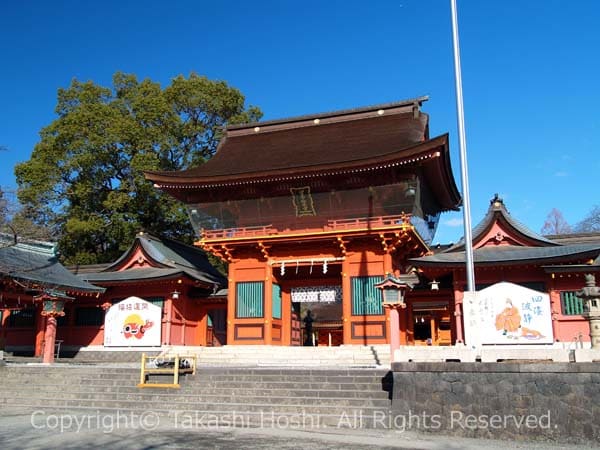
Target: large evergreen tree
{"x": 84, "y": 179}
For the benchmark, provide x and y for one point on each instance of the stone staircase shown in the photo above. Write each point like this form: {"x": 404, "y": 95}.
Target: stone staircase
{"x": 356, "y": 356}
{"x": 225, "y": 396}
{"x": 277, "y": 356}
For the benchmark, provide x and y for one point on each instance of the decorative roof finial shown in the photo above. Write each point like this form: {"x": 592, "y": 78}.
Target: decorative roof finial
{"x": 496, "y": 202}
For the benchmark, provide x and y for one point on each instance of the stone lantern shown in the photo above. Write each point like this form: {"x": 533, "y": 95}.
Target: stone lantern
{"x": 394, "y": 290}
{"x": 590, "y": 294}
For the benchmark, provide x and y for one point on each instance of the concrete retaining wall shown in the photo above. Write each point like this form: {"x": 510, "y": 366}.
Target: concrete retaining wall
{"x": 516, "y": 401}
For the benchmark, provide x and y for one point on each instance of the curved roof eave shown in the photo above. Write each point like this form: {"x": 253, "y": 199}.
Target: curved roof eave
{"x": 448, "y": 189}
{"x": 433, "y": 153}
{"x": 36, "y": 262}
{"x": 509, "y": 255}
{"x": 174, "y": 179}
{"x": 149, "y": 250}
{"x": 498, "y": 212}
{"x": 148, "y": 275}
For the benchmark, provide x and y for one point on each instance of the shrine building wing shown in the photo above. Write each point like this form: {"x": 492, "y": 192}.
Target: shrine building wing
{"x": 501, "y": 240}
{"x": 151, "y": 258}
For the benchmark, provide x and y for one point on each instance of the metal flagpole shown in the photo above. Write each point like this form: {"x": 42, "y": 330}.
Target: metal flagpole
{"x": 463, "y": 153}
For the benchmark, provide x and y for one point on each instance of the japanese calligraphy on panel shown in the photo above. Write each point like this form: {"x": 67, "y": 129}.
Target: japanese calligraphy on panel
{"x": 133, "y": 322}
{"x": 506, "y": 313}
{"x": 303, "y": 202}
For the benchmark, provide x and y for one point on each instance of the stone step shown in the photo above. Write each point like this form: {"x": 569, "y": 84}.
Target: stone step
{"x": 198, "y": 418}
{"x": 316, "y": 378}
{"x": 181, "y": 399}
{"x": 269, "y": 357}
{"x": 263, "y": 405}
{"x": 307, "y": 357}
{"x": 260, "y": 395}
{"x": 198, "y": 388}
{"x": 287, "y": 371}
{"x": 275, "y": 356}
{"x": 97, "y": 371}
{"x": 84, "y": 391}
{"x": 203, "y": 385}
{"x": 350, "y": 353}
{"x": 90, "y": 377}
{"x": 267, "y": 354}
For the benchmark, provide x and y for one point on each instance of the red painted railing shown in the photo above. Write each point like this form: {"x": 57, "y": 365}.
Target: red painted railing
{"x": 331, "y": 225}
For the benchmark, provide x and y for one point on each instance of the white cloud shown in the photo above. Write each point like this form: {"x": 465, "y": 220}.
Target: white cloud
{"x": 455, "y": 222}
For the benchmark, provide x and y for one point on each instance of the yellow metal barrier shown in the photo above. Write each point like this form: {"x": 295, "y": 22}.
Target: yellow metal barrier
{"x": 175, "y": 370}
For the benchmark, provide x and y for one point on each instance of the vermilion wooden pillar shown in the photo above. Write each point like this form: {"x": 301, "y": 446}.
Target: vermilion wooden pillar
{"x": 403, "y": 326}
{"x": 394, "y": 312}
{"x": 231, "y": 296}
{"x": 168, "y": 319}
{"x": 458, "y": 302}
{"x": 51, "y": 307}
{"x": 49, "y": 339}
{"x": 346, "y": 303}
{"x": 268, "y": 306}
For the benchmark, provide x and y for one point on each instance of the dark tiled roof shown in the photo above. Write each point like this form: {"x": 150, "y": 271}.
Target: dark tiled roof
{"x": 145, "y": 273}
{"x": 575, "y": 238}
{"x": 373, "y": 141}
{"x": 590, "y": 266}
{"x": 37, "y": 263}
{"x": 507, "y": 254}
{"x": 87, "y": 268}
{"x": 498, "y": 212}
{"x": 175, "y": 258}
{"x": 299, "y": 148}
{"x": 413, "y": 102}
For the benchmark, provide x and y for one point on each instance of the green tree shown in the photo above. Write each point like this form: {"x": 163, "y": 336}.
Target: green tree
{"x": 85, "y": 179}
{"x": 14, "y": 222}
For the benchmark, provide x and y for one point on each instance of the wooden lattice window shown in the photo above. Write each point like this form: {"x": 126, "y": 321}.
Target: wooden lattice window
{"x": 249, "y": 299}
{"x": 276, "y": 301}
{"x": 571, "y": 305}
{"x": 366, "y": 298}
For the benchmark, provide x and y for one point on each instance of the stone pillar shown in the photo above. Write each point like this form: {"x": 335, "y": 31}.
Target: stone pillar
{"x": 591, "y": 295}
{"x": 49, "y": 339}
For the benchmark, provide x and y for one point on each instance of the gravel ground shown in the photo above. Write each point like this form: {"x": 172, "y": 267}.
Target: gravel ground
{"x": 22, "y": 429}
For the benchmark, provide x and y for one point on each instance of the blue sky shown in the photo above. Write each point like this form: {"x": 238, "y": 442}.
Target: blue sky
{"x": 531, "y": 72}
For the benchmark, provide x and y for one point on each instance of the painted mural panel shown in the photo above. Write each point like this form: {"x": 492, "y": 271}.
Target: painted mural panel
{"x": 507, "y": 313}
{"x": 132, "y": 322}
